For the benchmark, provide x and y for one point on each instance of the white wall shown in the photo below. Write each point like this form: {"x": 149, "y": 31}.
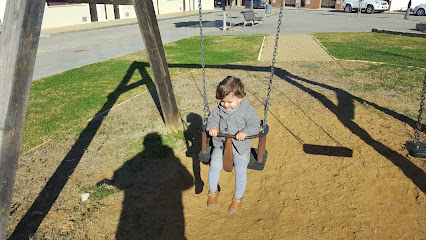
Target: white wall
{"x": 173, "y": 6}
{"x": 401, "y": 5}
{"x": 2, "y": 9}
{"x": 72, "y": 14}
{"x": 127, "y": 11}
{"x": 105, "y": 12}
{"x": 168, "y": 6}
{"x": 65, "y": 15}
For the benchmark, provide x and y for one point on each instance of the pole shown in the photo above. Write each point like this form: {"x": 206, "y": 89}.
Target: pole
{"x": 230, "y": 13}
{"x": 224, "y": 14}
{"x": 106, "y": 14}
{"x": 407, "y": 13}
{"x": 157, "y": 60}
{"x": 359, "y": 8}
{"x": 158, "y": 8}
{"x": 18, "y": 48}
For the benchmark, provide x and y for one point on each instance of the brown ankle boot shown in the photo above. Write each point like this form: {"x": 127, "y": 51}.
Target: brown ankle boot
{"x": 235, "y": 205}
{"x": 212, "y": 198}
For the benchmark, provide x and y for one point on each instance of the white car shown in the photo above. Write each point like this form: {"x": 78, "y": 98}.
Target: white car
{"x": 369, "y": 6}
{"x": 420, "y": 10}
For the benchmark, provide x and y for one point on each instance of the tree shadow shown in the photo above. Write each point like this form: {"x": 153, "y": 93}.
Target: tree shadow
{"x": 153, "y": 182}
{"x": 30, "y": 222}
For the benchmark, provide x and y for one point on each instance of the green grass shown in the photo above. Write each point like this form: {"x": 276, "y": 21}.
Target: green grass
{"x": 376, "y": 47}
{"x": 65, "y": 102}
{"x": 98, "y": 193}
{"x": 217, "y": 50}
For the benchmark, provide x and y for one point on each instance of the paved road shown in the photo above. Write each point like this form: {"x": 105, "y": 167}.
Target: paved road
{"x": 72, "y": 50}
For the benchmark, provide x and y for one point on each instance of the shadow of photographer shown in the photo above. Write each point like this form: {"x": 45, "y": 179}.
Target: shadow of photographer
{"x": 153, "y": 182}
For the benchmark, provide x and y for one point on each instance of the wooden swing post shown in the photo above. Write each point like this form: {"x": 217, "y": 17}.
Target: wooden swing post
{"x": 18, "y": 47}
{"x": 157, "y": 60}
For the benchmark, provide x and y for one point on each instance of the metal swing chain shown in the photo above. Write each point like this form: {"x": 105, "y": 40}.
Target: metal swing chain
{"x": 206, "y": 105}
{"x": 419, "y": 119}
{"x": 268, "y": 96}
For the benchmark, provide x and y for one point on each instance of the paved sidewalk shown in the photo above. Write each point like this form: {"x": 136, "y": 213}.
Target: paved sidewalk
{"x": 295, "y": 47}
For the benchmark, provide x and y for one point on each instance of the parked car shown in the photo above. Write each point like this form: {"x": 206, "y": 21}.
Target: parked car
{"x": 256, "y": 4}
{"x": 420, "y": 10}
{"x": 217, "y": 3}
{"x": 369, "y": 6}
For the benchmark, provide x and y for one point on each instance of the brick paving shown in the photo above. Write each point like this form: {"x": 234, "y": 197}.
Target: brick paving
{"x": 296, "y": 47}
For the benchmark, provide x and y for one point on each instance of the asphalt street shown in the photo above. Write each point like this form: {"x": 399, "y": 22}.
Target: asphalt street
{"x": 75, "y": 49}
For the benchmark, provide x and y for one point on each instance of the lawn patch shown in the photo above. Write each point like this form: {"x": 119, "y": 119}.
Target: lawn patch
{"x": 376, "y": 47}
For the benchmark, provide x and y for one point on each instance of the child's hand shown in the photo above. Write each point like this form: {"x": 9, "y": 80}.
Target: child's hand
{"x": 241, "y": 136}
{"x": 213, "y": 131}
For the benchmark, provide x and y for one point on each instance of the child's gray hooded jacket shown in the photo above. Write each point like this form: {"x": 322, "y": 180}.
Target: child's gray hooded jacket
{"x": 244, "y": 119}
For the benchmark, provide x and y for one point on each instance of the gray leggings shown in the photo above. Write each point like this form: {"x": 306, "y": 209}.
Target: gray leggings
{"x": 240, "y": 165}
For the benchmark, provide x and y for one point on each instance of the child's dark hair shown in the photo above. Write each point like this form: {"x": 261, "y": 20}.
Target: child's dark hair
{"x": 230, "y": 85}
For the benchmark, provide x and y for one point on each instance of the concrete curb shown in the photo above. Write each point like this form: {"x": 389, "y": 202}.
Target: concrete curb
{"x": 422, "y": 35}
{"x": 261, "y": 48}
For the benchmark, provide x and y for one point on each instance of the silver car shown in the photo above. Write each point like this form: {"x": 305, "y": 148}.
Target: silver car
{"x": 420, "y": 10}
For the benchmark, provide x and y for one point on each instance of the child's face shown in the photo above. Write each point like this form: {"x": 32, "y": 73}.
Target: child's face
{"x": 230, "y": 102}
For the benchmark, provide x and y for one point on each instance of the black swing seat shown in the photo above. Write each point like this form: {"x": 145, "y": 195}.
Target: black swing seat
{"x": 414, "y": 151}
{"x": 253, "y": 164}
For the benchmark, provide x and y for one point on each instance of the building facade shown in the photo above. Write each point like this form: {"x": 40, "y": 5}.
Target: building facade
{"x": 60, "y": 14}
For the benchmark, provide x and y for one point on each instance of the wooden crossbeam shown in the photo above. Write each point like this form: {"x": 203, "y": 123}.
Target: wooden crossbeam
{"x": 116, "y": 2}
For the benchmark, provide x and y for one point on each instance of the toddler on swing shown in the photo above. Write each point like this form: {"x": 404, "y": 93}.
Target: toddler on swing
{"x": 234, "y": 116}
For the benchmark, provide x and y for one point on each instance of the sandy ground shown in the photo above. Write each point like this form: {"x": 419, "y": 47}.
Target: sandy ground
{"x": 310, "y": 188}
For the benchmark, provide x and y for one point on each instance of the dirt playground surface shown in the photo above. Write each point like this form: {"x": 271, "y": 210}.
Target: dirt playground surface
{"x": 310, "y": 187}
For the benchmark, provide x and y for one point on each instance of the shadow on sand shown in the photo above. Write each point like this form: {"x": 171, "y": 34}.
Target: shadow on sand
{"x": 344, "y": 110}
{"x": 29, "y": 223}
{"x": 152, "y": 182}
